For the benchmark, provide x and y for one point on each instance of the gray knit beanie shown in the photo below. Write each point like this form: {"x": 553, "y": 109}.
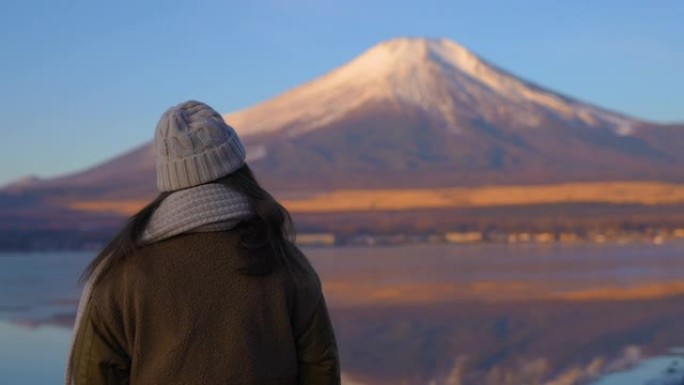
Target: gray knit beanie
{"x": 193, "y": 146}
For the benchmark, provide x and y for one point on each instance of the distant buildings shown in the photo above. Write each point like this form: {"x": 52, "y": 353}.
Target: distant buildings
{"x": 466, "y": 237}
{"x": 316, "y": 239}
{"x": 648, "y": 235}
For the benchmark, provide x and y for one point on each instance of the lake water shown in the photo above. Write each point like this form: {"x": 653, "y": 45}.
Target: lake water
{"x": 666, "y": 370}
{"x": 38, "y": 291}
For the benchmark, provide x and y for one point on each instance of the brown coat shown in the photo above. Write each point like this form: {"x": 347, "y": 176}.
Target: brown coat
{"x": 177, "y": 312}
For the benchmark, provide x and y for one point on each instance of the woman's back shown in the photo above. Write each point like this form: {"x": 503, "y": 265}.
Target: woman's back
{"x": 187, "y": 316}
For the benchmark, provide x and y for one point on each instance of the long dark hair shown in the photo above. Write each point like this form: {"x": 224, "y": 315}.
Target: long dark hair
{"x": 267, "y": 241}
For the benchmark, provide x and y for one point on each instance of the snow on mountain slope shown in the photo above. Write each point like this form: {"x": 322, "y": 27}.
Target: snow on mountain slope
{"x": 434, "y": 75}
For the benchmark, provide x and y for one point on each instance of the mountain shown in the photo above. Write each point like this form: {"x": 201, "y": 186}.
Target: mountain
{"x": 423, "y": 112}
{"x": 418, "y": 112}
{"x": 410, "y": 112}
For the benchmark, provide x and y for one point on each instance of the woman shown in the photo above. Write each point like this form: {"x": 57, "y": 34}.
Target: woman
{"x": 205, "y": 284}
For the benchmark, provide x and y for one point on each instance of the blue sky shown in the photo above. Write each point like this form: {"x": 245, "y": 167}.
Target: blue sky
{"x": 82, "y": 81}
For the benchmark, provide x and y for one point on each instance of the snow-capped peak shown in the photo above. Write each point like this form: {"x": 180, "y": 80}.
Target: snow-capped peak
{"x": 438, "y": 76}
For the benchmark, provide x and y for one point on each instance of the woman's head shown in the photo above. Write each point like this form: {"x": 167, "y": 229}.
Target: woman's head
{"x": 193, "y": 146}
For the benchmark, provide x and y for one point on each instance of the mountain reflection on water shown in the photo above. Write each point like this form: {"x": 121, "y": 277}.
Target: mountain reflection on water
{"x": 485, "y": 314}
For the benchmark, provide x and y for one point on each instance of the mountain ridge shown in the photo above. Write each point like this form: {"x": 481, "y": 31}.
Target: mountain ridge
{"x": 400, "y": 69}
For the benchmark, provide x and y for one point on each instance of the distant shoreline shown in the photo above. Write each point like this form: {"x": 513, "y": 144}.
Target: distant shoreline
{"x": 93, "y": 241}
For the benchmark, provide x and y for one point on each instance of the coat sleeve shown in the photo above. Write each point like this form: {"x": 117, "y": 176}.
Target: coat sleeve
{"x": 97, "y": 358}
{"x": 318, "y": 359}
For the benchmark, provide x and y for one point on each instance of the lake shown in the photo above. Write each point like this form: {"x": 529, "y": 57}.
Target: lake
{"x": 38, "y": 295}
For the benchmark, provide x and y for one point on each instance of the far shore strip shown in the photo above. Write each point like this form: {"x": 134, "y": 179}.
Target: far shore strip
{"x": 618, "y": 193}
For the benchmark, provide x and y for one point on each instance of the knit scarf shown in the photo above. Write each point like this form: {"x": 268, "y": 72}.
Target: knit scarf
{"x": 209, "y": 207}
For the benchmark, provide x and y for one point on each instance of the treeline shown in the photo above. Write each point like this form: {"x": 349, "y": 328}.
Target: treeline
{"x": 579, "y": 219}
{"x": 52, "y": 240}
